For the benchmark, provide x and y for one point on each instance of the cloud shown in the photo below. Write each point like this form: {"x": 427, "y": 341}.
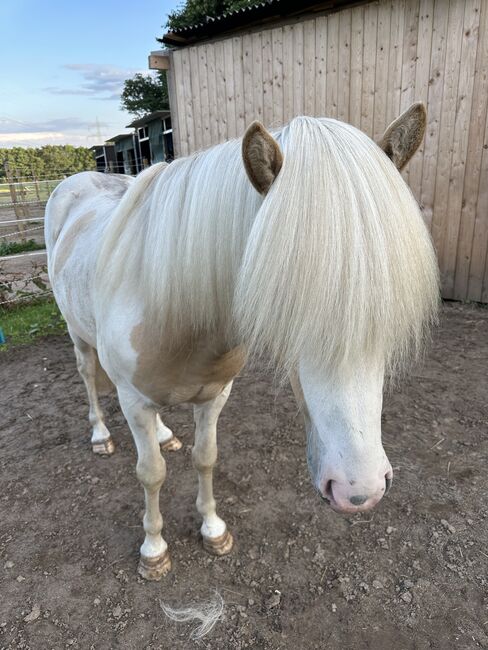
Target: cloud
{"x": 65, "y": 130}
{"x": 9, "y": 125}
{"x": 99, "y": 81}
{"x": 40, "y": 138}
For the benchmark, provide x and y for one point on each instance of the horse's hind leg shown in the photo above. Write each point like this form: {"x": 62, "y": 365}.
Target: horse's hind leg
{"x": 88, "y": 367}
{"x": 216, "y": 538}
{"x": 151, "y": 471}
{"x": 166, "y": 438}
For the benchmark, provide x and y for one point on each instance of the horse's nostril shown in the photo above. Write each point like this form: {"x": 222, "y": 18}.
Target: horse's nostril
{"x": 328, "y": 490}
{"x": 358, "y": 499}
{"x": 388, "y": 482}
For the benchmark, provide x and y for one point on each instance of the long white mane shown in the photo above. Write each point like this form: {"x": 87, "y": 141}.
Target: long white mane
{"x": 333, "y": 265}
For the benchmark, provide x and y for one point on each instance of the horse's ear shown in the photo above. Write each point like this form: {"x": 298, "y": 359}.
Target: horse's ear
{"x": 403, "y": 137}
{"x": 262, "y": 157}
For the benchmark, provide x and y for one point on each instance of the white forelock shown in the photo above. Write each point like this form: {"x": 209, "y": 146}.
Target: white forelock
{"x": 334, "y": 265}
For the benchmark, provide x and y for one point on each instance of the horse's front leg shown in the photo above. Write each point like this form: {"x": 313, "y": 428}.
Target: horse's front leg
{"x": 151, "y": 471}
{"x": 216, "y": 538}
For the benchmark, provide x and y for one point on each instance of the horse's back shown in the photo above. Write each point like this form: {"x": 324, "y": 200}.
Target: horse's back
{"x": 75, "y": 192}
{"x": 76, "y": 216}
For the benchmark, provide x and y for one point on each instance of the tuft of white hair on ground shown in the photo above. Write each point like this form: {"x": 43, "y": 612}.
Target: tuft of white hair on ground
{"x": 206, "y": 613}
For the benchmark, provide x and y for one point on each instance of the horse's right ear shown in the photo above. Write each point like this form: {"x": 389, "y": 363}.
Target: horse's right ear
{"x": 262, "y": 157}
{"x": 403, "y": 137}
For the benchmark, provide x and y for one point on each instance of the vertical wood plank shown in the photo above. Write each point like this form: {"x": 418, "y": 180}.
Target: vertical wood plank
{"x": 173, "y": 104}
{"x": 469, "y": 37}
{"x": 473, "y": 244}
{"x": 422, "y": 70}
{"x": 446, "y": 133}
{"x": 395, "y": 59}
{"x": 320, "y": 66}
{"x": 247, "y": 66}
{"x": 434, "y": 108}
{"x": 357, "y": 37}
{"x": 238, "y": 85}
{"x": 344, "y": 82}
{"x": 309, "y": 67}
{"x": 267, "y": 59}
{"x": 221, "y": 108}
{"x": 277, "y": 47}
{"x": 332, "y": 62}
{"x": 204, "y": 99}
{"x": 369, "y": 67}
{"x": 410, "y": 36}
{"x": 257, "y": 76}
{"x": 230, "y": 98}
{"x": 481, "y": 228}
{"x": 482, "y": 214}
{"x": 381, "y": 76}
{"x": 187, "y": 101}
{"x": 195, "y": 98}
{"x": 212, "y": 93}
{"x": 288, "y": 90}
{"x": 298, "y": 94}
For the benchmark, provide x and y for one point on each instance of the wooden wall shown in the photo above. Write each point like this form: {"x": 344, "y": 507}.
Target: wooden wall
{"x": 365, "y": 65}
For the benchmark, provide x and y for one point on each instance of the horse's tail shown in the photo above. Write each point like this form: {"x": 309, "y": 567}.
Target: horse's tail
{"x": 206, "y": 614}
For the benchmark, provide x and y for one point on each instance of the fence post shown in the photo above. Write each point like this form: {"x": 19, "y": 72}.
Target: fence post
{"x": 36, "y": 184}
{"x": 15, "y": 200}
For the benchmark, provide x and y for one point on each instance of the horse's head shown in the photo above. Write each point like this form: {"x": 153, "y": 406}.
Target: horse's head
{"x": 346, "y": 458}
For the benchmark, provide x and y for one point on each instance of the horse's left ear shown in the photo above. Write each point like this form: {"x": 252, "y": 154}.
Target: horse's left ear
{"x": 403, "y": 137}
{"x": 262, "y": 157}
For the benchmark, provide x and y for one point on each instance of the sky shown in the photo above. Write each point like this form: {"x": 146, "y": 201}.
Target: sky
{"x": 63, "y": 64}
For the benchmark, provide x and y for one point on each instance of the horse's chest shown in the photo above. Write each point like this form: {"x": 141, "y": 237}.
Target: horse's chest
{"x": 196, "y": 374}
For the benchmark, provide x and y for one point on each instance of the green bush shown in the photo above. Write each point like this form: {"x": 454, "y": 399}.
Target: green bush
{"x": 13, "y": 247}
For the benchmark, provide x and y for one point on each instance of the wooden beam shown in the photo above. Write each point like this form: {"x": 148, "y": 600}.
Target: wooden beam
{"x": 159, "y": 60}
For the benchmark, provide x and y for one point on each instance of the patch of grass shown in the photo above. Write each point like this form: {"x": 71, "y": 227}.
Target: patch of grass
{"x": 13, "y": 247}
{"x": 25, "y": 323}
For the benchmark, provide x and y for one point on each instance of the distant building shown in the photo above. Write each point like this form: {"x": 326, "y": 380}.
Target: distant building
{"x": 126, "y": 154}
{"x": 155, "y": 137}
{"x": 129, "y": 153}
{"x": 104, "y": 157}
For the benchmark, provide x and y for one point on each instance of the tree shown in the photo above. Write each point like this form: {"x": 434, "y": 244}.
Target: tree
{"x": 145, "y": 94}
{"x": 198, "y": 11}
{"x": 50, "y": 161}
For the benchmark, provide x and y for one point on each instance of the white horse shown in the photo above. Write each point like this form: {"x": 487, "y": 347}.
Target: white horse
{"x": 318, "y": 256}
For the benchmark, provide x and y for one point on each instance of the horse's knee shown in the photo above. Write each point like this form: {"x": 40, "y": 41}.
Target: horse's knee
{"x": 151, "y": 472}
{"x": 204, "y": 459}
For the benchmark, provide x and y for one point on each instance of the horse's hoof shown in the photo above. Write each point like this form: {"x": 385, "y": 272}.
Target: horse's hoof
{"x": 154, "y": 568}
{"x": 104, "y": 448}
{"x": 219, "y": 545}
{"x": 173, "y": 444}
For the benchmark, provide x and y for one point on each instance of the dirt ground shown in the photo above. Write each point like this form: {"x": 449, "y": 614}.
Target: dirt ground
{"x": 412, "y": 574}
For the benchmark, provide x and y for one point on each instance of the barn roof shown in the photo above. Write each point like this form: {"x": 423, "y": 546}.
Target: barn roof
{"x": 259, "y": 13}
{"x": 118, "y": 138}
{"x": 156, "y": 115}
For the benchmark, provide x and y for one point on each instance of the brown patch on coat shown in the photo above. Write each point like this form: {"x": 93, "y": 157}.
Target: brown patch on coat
{"x": 103, "y": 382}
{"x": 403, "y": 137}
{"x": 67, "y": 240}
{"x": 262, "y": 157}
{"x": 197, "y": 372}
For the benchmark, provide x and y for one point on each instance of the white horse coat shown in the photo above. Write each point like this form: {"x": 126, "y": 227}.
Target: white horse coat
{"x": 309, "y": 245}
